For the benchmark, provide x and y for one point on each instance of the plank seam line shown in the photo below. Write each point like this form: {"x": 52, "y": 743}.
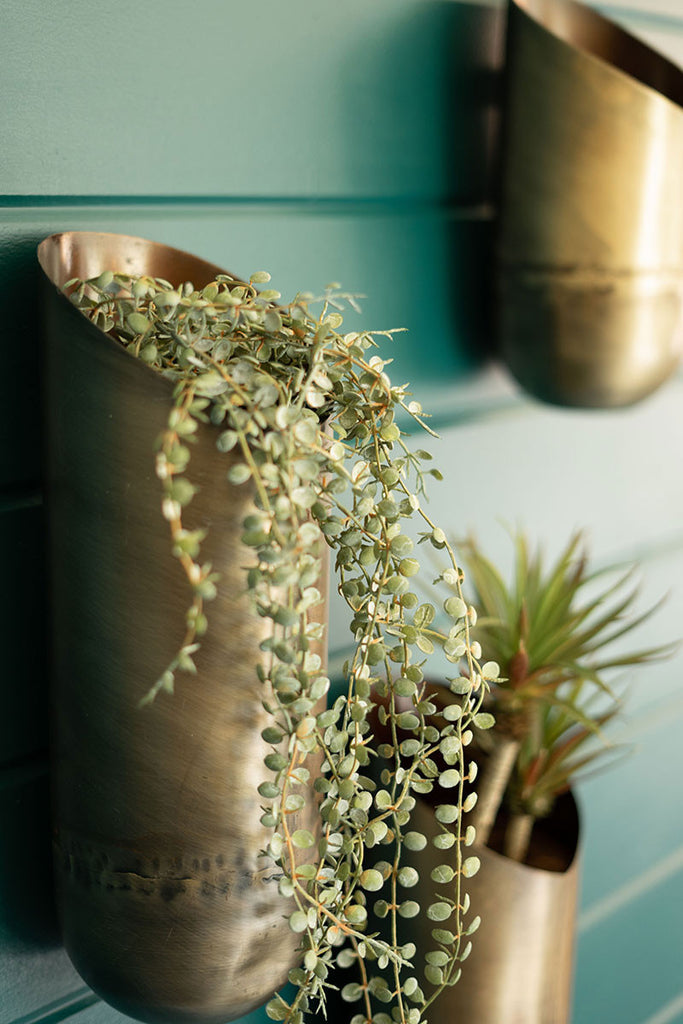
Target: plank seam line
{"x": 462, "y": 208}
{"x": 631, "y": 891}
{"x": 61, "y": 1009}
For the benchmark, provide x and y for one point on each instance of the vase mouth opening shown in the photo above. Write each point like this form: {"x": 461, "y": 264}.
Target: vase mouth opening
{"x": 555, "y": 839}
{"x": 86, "y": 254}
{"x": 590, "y": 33}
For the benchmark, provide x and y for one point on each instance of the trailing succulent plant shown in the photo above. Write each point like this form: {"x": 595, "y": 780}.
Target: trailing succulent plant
{"x": 308, "y": 416}
{"x": 551, "y": 630}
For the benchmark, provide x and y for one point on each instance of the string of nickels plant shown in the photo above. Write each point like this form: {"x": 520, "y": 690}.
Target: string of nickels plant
{"x": 306, "y": 417}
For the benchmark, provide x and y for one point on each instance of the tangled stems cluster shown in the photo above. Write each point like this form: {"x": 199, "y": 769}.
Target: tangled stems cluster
{"x": 306, "y": 416}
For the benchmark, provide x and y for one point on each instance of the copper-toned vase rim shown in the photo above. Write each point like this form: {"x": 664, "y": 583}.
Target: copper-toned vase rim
{"x": 595, "y": 37}
{"x": 51, "y": 252}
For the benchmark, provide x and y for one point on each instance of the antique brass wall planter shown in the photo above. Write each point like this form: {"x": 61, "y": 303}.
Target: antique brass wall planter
{"x": 521, "y": 966}
{"x": 168, "y": 910}
{"x": 590, "y": 248}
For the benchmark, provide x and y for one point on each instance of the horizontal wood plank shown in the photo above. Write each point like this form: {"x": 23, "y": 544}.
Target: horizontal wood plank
{"x": 614, "y": 474}
{"x": 389, "y": 98}
{"x": 630, "y": 824}
{"x": 630, "y": 966}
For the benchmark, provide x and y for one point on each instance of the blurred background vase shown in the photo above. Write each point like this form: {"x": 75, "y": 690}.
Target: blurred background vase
{"x": 169, "y": 911}
{"x": 590, "y": 245}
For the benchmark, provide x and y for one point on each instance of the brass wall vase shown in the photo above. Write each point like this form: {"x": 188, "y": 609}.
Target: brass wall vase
{"x": 169, "y": 912}
{"x": 590, "y": 246}
{"x": 520, "y": 970}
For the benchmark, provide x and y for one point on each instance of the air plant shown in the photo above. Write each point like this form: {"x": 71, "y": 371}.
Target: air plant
{"x": 553, "y": 632}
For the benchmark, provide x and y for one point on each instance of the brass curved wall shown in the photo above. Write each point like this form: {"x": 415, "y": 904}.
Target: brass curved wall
{"x": 520, "y": 970}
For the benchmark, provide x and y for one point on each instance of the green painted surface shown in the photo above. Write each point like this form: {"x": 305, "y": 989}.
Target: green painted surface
{"x": 389, "y": 98}
{"x": 630, "y": 966}
{"x": 630, "y": 824}
{"x": 388, "y": 109}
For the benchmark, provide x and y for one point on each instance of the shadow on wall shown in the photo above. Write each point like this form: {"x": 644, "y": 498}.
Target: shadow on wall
{"x": 474, "y": 54}
{"x": 432, "y": 77}
{"x": 436, "y": 82}
{"x": 27, "y": 915}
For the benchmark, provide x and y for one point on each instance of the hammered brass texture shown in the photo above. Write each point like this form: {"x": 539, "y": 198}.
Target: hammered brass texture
{"x": 590, "y": 244}
{"x": 521, "y": 966}
{"x": 169, "y": 911}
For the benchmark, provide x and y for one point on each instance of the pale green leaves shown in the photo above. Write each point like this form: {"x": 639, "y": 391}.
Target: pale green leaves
{"x": 239, "y": 474}
{"x": 298, "y": 922}
{"x": 303, "y": 839}
{"x": 407, "y": 877}
{"x": 371, "y": 880}
{"x": 138, "y": 323}
{"x": 307, "y": 420}
{"x": 450, "y": 748}
{"x": 408, "y": 909}
{"x": 211, "y": 384}
{"x": 470, "y": 866}
{"x": 409, "y": 567}
{"x": 439, "y": 911}
{"x": 449, "y": 779}
{"x": 355, "y": 914}
{"x": 227, "y": 440}
{"x": 455, "y": 607}
{"x": 414, "y": 841}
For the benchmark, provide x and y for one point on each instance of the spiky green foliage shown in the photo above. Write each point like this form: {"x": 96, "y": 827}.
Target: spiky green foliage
{"x": 306, "y": 417}
{"x": 553, "y": 631}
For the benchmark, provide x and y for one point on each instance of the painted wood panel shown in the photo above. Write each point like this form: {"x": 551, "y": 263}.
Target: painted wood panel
{"x": 552, "y": 470}
{"x": 630, "y": 966}
{"x": 633, "y": 825}
{"x": 152, "y": 100}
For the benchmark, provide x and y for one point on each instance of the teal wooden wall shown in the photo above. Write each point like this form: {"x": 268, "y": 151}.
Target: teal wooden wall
{"x": 322, "y": 141}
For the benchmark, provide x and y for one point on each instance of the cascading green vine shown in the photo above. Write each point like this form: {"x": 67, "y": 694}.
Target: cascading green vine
{"x": 306, "y": 416}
